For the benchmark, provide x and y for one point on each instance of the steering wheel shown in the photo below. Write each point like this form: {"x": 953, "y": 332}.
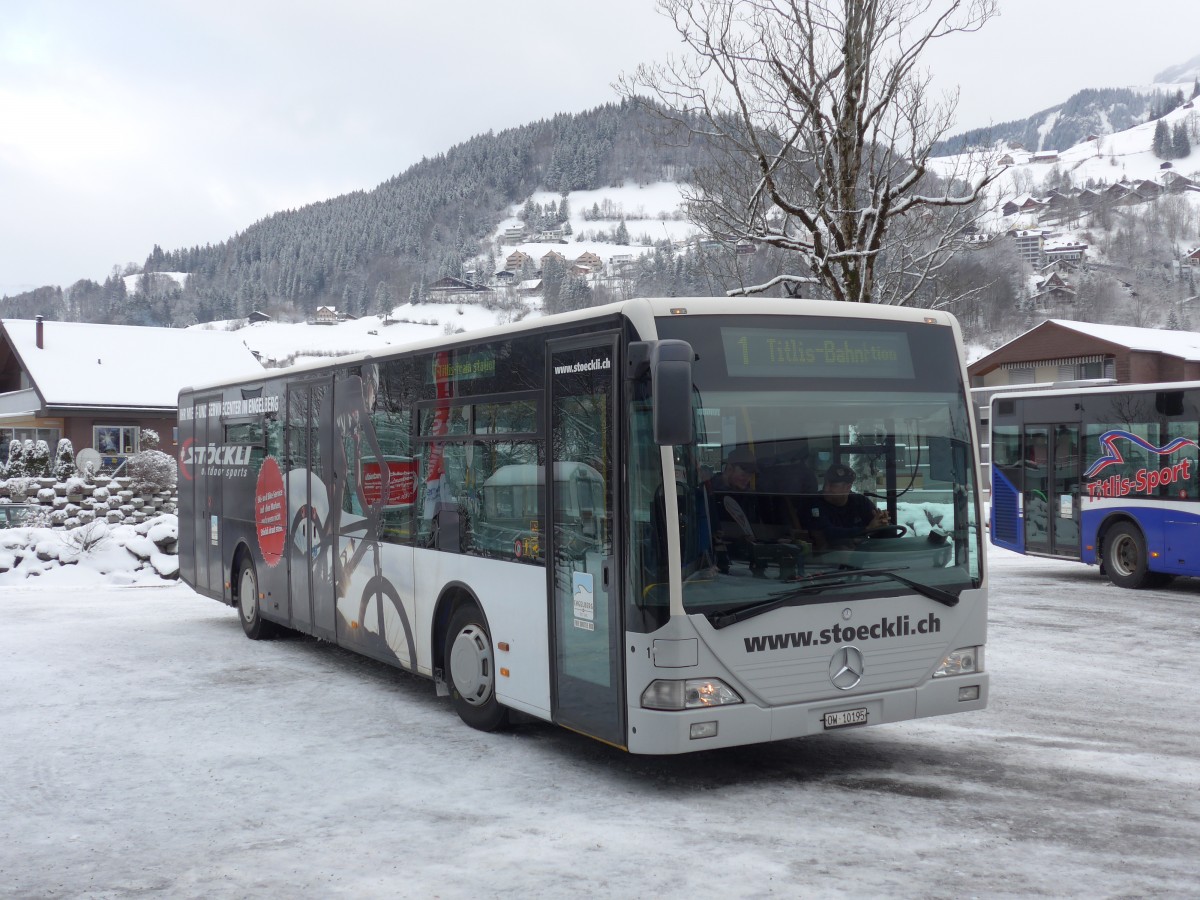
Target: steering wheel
{"x": 887, "y": 531}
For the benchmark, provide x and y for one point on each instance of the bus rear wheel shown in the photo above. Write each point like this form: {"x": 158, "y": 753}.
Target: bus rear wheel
{"x": 1125, "y": 557}
{"x": 255, "y": 626}
{"x": 471, "y": 670}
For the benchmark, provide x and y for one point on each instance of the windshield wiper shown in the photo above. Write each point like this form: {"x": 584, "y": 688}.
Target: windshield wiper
{"x": 841, "y": 577}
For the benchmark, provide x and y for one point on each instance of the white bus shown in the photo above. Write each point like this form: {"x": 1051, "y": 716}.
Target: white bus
{"x": 648, "y": 594}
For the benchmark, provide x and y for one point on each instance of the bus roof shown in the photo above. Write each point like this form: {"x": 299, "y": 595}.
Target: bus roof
{"x": 1078, "y": 390}
{"x": 642, "y": 311}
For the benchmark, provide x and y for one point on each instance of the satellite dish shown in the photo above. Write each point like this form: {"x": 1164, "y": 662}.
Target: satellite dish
{"x": 85, "y": 457}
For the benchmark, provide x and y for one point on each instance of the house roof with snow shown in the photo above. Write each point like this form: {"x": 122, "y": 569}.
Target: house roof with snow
{"x": 78, "y": 366}
{"x": 1138, "y": 355}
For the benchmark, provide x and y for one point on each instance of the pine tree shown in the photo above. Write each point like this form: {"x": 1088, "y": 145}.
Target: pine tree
{"x": 1180, "y": 145}
{"x": 622, "y": 235}
{"x": 1160, "y": 145}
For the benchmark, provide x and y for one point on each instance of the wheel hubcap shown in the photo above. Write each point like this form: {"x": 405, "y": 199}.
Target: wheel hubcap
{"x": 471, "y": 665}
{"x": 1125, "y": 556}
{"x": 247, "y": 595}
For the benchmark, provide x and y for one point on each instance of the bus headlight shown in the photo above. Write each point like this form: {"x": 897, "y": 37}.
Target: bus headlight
{"x": 695, "y": 693}
{"x": 962, "y": 661}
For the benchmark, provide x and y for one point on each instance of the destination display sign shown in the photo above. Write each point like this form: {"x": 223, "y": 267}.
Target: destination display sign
{"x": 793, "y": 353}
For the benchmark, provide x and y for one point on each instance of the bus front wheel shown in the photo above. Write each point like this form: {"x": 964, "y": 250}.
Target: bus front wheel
{"x": 471, "y": 670}
{"x": 253, "y": 623}
{"x": 1125, "y": 558}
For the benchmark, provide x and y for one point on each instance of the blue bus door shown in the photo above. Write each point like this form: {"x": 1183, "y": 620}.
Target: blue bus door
{"x": 1050, "y": 495}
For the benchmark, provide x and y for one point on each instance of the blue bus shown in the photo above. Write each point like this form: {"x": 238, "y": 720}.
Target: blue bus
{"x": 1106, "y": 475}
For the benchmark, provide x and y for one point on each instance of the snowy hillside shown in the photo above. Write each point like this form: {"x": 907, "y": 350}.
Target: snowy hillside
{"x": 285, "y": 343}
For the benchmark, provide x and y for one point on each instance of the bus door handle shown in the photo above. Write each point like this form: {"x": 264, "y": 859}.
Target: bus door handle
{"x": 605, "y": 572}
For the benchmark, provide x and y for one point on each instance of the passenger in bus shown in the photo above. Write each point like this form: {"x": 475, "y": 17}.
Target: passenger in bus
{"x": 743, "y": 521}
{"x": 792, "y": 484}
{"x": 838, "y": 518}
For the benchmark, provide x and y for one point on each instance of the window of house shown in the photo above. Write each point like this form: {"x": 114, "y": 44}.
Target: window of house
{"x": 115, "y": 443}
{"x": 7, "y": 435}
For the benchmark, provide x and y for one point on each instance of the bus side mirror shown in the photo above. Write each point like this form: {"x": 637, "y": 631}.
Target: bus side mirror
{"x": 671, "y": 381}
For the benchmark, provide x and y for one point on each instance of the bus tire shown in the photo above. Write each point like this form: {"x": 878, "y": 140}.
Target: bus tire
{"x": 471, "y": 670}
{"x": 250, "y": 612}
{"x": 1125, "y": 557}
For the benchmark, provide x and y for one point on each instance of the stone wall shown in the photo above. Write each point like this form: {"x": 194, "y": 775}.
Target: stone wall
{"x": 76, "y": 501}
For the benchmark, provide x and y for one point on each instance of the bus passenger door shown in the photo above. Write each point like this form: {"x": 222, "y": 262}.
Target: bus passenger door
{"x": 206, "y": 498}
{"x": 582, "y": 565}
{"x": 1051, "y": 491}
{"x": 1037, "y": 494}
{"x": 1064, "y": 487}
{"x": 308, "y": 461}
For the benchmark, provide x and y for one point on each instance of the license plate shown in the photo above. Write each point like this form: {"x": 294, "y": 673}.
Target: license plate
{"x": 846, "y": 717}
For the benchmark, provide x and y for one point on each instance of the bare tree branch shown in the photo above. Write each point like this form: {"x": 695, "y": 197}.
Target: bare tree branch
{"x": 820, "y": 125}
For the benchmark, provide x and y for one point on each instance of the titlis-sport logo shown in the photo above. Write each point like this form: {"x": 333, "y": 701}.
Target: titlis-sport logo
{"x": 231, "y": 460}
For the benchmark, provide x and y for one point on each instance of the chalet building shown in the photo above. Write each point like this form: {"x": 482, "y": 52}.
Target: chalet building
{"x": 1045, "y": 156}
{"x": 516, "y": 260}
{"x": 1023, "y": 205}
{"x": 504, "y": 277}
{"x": 1192, "y": 257}
{"x": 255, "y": 317}
{"x": 100, "y": 385}
{"x": 1147, "y": 190}
{"x": 1065, "y": 251}
{"x": 1053, "y": 290}
{"x": 1029, "y": 246}
{"x": 450, "y": 288}
{"x": 1059, "y": 350}
{"x": 530, "y": 286}
{"x": 1118, "y": 193}
{"x": 621, "y": 262}
{"x": 591, "y": 260}
{"x": 513, "y": 235}
{"x": 553, "y": 254}
{"x": 326, "y": 315}
{"x": 1174, "y": 183}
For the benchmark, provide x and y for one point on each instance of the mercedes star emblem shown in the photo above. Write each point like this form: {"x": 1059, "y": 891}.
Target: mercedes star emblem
{"x": 846, "y": 668}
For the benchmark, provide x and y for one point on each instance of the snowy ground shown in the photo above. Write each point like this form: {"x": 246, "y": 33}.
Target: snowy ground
{"x": 148, "y": 748}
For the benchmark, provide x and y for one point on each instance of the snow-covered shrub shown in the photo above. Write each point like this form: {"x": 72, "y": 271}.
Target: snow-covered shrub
{"x": 15, "y": 468}
{"x": 64, "y": 460}
{"x": 151, "y": 471}
{"x": 37, "y": 459}
{"x": 87, "y": 538}
{"x": 20, "y": 487}
{"x": 149, "y": 439}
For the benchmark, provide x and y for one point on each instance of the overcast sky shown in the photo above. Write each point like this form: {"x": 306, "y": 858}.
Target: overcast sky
{"x": 133, "y": 122}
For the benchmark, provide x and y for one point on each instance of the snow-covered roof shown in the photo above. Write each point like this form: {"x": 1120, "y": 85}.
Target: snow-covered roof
{"x": 1184, "y": 344}
{"x": 124, "y": 365}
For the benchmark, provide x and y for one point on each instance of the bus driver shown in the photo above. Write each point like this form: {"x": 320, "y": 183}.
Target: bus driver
{"x": 838, "y": 517}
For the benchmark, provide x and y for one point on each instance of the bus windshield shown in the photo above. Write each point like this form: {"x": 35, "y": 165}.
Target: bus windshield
{"x": 826, "y": 451}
